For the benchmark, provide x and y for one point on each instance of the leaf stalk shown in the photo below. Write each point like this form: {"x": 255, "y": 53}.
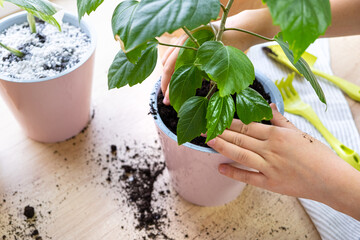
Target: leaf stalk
{"x": 249, "y": 32}
{"x": 212, "y": 90}
{"x": 13, "y": 50}
{"x": 179, "y": 46}
{"x": 31, "y": 21}
{"x": 223, "y": 20}
{"x": 191, "y": 36}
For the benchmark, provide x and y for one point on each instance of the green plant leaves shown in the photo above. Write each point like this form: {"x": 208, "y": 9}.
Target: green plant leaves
{"x": 123, "y": 72}
{"x": 87, "y": 6}
{"x": 183, "y": 85}
{"x": 301, "y": 21}
{"x": 188, "y": 56}
{"x": 219, "y": 115}
{"x": 252, "y": 107}
{"x": 302, "y": 66}
{"x": 229, "y": 67}
{"x": 1, "y": 3}
{"x": 42, "y": 9}
{"x": 192, "y": 119}
{"x": 160, "y": 16}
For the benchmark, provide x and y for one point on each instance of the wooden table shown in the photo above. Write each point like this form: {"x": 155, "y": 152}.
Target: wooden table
{"x": 68, "y": 183}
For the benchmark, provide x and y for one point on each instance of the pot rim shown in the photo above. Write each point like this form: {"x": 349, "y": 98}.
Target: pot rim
{"x": 268, "y": 85}
{"x": 69, "y": 18}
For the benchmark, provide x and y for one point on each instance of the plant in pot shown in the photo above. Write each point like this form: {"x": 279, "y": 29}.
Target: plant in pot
{"x": 210, "y": 84}
{"x": 46, "y": 70}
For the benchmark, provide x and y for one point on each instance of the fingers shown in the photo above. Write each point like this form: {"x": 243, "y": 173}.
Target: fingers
{"x": 279, "y": 120}
{"x": 169, "y": 68}
{"x": 242, "y": 141}
{"x": 238, "y": 154}
{"x": 252, "y": 178}
{"x": 255, "y": 130}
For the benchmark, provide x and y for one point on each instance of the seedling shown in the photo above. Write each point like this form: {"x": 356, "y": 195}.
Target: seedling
{"x": 203, "y": 56}
{"x": 41, "y": 9}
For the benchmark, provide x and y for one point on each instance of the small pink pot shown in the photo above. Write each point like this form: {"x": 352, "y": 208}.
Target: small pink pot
{"x": 193, "y": 169}
{"x": 56, "y": 108}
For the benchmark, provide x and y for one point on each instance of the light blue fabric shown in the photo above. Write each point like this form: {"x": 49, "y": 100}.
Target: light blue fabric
{"x": 338, "y": 119}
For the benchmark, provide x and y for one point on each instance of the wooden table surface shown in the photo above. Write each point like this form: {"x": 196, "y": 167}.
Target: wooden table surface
{"x": 68, "y": 183}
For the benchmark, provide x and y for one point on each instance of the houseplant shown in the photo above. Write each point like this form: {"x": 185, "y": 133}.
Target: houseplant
{"x": 204, "y": 57}
{"x": 53, "y": 107}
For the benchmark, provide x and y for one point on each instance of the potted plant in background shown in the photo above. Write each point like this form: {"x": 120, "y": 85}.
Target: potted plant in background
{"x": 204, "y": 60}
{"x": 46, "y": 70}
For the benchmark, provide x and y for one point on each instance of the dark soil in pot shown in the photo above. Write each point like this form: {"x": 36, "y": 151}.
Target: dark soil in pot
{"x": 169, "y": 115}
{"x": 47, "y": 52}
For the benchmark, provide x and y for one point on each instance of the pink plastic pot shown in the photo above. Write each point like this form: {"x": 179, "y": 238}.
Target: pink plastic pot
{"x": 193, "y": 169}
{"x": 57, "y": 108}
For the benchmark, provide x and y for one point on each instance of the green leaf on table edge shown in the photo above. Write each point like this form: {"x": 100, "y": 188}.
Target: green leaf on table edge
{"x": 219, "y": 115}
{"x": 183, "y": 85}
{"x": 302, "y": 67}
{"x": 87, "y": 6}
{"x": 121, "y": 23}
{"x": 301, "y": 21}
{"x": 160, "y": 16}
{"x": 252, "y": 107}
{"x": 188, "y": 56}
{"x": 229, "y": 67}
{"x": 42, "y": 9}
{"x": 192, "y": 119}
{"x": 123, "y": 72}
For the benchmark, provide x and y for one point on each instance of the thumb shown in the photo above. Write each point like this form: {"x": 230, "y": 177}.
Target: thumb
{"x": 279, "y": 120}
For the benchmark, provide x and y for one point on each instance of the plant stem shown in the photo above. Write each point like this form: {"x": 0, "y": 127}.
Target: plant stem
{"x": 13, "y": 50}
{"x": 191, "y": 36}
{"x": 31, "y": 21}
{"x": 171, "y": 45}
{"x": 249, "y": 32}
{"x": 212, "y": 90}
{"x": 223, "y": 20}
{"x": 223, "y": 7}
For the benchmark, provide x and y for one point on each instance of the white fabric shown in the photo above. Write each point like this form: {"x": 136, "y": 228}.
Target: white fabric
{"x": 338, "y": 120}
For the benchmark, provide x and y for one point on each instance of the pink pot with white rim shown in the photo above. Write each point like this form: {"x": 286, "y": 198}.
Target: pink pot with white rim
{"x": 56, "y": 108}
{"x": 194, "y": 169}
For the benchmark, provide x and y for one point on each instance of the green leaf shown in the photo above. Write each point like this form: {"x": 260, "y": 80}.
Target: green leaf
{"x": 87, "y": 6}
{"x": 155, "y": 17}
{"x": 252, "y": 107}
{"x": 192, "y": 119}
{"x": 42, "y": 9}
{"x": 220, "y": 114}
{"x": 302, "y": 67}
{"x": 123, "y": 72}
{"x": 1, "y": 3}
{"x": 188, "y": 56}
{"x": 301, "y": 21}
{"x": 229, "y": 67}
{"x": 183, "y": 85}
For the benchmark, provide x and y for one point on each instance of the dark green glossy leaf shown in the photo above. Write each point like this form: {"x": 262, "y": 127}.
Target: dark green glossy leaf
{"x": 123, "y": 72}
{"x": 229, "y": 67}
{"x": 183, "y": 85}
{"x": 252, "y": 107}
{"x": 219, "y": 115}
{"x": 301, "y": 21}
{"x": 160, "y": 16}
{"x": 192, "y": 119}
{"x": 302, "y": 67}
{"x": 87, "y": 6}
{"x": 42, "y": 9}
{"x": 188, "y": 56}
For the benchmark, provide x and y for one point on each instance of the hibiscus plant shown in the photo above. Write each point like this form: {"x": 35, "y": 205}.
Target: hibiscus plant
{"x": 137, "y": 24}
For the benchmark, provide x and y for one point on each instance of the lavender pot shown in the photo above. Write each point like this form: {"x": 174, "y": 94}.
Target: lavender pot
{"x": 56, "y": 108}
{"x": 193, "y": 169}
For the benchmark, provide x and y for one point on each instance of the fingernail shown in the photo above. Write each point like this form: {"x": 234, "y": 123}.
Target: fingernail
{"x": 203, "y": 135}
{"x": 211, "y": 142}
{"x": 166, "y": 101}
{"x": 222, "y": 169}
